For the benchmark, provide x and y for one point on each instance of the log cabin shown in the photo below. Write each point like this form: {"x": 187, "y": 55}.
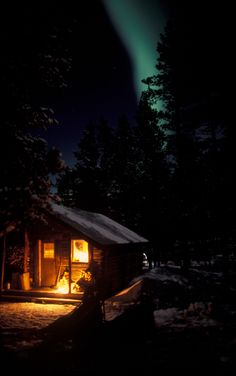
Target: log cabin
{"x": 74, "y": 246}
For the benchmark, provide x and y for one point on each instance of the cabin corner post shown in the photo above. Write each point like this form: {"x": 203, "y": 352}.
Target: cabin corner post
{"x": 91, "y": 265}
{"x": 39, "y": 262}
{"x": 70, "y": 271}
{"x": 3, "y": 261}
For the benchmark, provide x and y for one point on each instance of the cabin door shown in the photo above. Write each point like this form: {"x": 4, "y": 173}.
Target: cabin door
{"x": 48, "y": 265}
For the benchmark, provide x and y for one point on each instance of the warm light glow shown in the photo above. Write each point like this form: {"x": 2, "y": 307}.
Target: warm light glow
{"x": 63, "y": 290}
{"x": 75, "y": 288}
{"x": 63, "y": 284}
{"x": 84, "y": 278}
{"x": 48, "y": 250}
{"x": 79, "y": 251}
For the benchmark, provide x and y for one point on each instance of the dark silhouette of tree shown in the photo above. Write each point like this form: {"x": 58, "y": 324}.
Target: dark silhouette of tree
{"x": 188, "y": 93}
{"x": 34, "y": 64}
{"x": 152, "y": 174}
{"x": 122, "y": 173}
{"x": 105, "y": 144}
{"x": 166, "y": 89}
{"x": 86, "y": 190}
{"x": 65, "y": 184}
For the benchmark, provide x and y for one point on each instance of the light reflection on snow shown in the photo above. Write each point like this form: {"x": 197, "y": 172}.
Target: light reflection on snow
{"x": 20, "y": 322}
{"x": 28, "y": 315}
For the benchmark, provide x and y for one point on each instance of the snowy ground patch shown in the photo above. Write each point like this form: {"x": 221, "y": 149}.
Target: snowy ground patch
{"x": 29, "y": 315}
{"x": 20, "y": 322}
{"x": 196, "y": 315}
{"x": 174, "y": 297}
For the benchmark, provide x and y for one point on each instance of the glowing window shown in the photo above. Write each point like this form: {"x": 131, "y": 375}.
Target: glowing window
{"x": 79, "y": 251}
{"x": 48, "y": 250}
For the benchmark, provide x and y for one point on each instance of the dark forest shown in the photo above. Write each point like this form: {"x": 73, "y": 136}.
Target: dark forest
{"x": 169, "y": 175}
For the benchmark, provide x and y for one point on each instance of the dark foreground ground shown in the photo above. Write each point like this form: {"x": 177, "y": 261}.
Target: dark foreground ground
{"x": 200, "y": 336}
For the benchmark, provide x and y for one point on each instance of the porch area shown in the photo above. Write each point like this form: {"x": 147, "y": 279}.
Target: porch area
{"x": 41, "y": 295}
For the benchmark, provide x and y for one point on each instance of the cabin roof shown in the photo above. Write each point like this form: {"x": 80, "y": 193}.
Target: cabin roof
{"x": 95, "y": 226}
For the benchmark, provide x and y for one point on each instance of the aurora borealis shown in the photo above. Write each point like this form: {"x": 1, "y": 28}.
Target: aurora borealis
{"x": 138, "y": 23}
{"x": 112, "y": 47}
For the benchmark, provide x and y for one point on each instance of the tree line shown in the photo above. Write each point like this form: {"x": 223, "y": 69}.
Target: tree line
{"x": 170, "y": 176}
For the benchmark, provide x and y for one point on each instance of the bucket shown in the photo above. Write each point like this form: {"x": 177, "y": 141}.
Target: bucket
{"x": 25, "y": 281}
{"x": 7, "y": 286}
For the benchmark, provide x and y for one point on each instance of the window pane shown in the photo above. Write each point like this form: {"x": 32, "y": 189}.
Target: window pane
{"x": 79, "y": 251}
{"x": 48, "y": 250}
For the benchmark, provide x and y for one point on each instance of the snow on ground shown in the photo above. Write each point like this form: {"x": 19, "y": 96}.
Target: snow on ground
{"x": 173, "y": 294}
{"x": 20, "y": 322}
{"x": 31, "y": 315}
{"x": 163, "y": 274}
{"x": 196, "y": 314}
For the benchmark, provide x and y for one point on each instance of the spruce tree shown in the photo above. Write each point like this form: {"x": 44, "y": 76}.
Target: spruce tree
{"x": 34, "y": 64}
{"x": 85, "y": 174}
{"x": 121, "y": 188}
{"x": 152, "y": 173}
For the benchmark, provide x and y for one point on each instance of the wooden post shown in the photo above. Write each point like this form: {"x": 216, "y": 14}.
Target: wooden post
{"x": 91, "y": 266}
{"x": 39, "y": 260}
{"x": 91, "y": 259}
{"x": 26, "y": 252}
{"x": 70, "y": 274}
{"x": 3, "y": 261}
{"x": 25, "y": 276}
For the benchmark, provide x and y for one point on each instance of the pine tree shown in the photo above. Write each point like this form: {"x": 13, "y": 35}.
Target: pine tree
{"x": 174, "y": 92}
{"x": 189, "y": 91}
{"x": 34, "y": 62}
{"x": 65, "y": 184}
{"x": 105, "y": 142}
{"x": 86, "y": 189}
{"x": 152, "y": 173}
{"x": 121, "y": 187}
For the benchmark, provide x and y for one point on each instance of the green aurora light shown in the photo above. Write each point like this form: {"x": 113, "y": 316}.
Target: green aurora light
{"x": 139, "y": 24}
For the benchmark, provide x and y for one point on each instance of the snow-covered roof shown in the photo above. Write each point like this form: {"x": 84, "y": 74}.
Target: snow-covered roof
{"x": 95, "y": 226}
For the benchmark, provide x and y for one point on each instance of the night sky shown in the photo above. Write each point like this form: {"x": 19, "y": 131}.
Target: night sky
{"x": 113, "y": 48}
